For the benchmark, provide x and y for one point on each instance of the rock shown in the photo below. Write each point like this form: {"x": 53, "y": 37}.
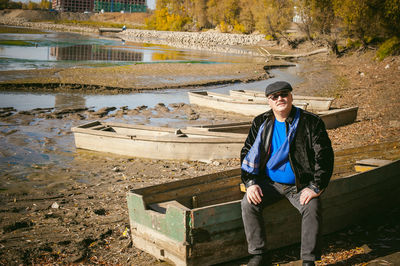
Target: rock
{"x": 116, "y": 169}
{"x": 194, "y": 116}
{"x": 55, "y": 205}
{"x": 142, "y": 107}
{"x": 101, "y": 211}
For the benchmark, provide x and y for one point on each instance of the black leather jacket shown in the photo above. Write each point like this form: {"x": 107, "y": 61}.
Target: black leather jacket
{"x": 310, "y": 153}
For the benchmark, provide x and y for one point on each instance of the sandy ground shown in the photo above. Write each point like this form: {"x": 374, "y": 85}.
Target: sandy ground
{"x": 73, "y": 210}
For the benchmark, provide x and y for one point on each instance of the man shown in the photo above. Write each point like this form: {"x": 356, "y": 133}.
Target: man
{"x": 287, "y": 154}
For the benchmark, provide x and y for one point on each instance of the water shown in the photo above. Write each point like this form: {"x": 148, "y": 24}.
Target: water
{"x": 30, "y": 100}
{"x": 49, "y": 50}
{"x": 52, "y": 50}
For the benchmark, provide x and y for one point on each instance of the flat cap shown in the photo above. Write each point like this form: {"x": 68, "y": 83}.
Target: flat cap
{"x": 277, "y": 86}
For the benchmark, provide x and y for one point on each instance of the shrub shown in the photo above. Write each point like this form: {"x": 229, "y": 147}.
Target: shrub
{"x": 223, "y": 26}
{"x": 239, "y": 28}
{"x": 269, "y": 37}
{"x": 389, "y": 47}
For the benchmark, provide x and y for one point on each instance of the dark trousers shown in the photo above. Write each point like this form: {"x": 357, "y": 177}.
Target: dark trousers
{"x": 311, "y": 220}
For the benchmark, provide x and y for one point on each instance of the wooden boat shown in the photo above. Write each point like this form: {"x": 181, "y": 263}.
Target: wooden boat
{"x": 198, "y": 221}
{"x": 226, "y": 103}
{"x": 314, "y": 103}
{"x": 333, "y": 118}
{"x": 157, "y": 142}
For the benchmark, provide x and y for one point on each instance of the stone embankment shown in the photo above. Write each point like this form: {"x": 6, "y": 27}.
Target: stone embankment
{"x": 17, "y": 22}
{"x": 210, "y": 40}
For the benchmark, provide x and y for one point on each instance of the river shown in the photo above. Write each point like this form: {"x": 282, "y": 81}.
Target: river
{"x": 22, "y": 51}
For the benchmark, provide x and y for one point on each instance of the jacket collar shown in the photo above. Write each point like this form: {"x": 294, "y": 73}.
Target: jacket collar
{"x": 291, "y": 115}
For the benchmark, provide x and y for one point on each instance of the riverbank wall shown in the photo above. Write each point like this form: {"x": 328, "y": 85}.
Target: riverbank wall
{"x": 210, "y": 40}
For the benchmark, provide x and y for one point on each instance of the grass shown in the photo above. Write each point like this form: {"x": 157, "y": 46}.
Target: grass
{"x": 15, "y": 43}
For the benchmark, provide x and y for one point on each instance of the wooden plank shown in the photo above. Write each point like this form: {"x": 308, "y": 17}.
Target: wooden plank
{"x": 218, "y": 196}
{"x": 369, "y": 164}
{"x": 187, "y": 182}
{"x": 89, "y": 125}
{"x": 368, "y": 148}
{"x": 373, "y": 162}
{"x": 186, "y": 192}
{"x": 217, "y": 214}
{"x": 159, "y": 245}
{"x": 233, "y": 246}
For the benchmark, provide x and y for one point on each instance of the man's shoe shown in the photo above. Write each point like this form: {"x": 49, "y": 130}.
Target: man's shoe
{"x": 308, "y": 263}
{"x": 259, "y": 260}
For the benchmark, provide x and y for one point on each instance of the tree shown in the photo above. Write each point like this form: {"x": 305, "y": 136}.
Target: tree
{"x": 276, "y": 17}
{"x": 359, "y": 17}
{"x": 4, "y": 4}
{"x": 44, "y": 4}
{"x": 199, "y": 13}
{"x": 246, "y": 17}
{"x": 213, "y": 13}
{"x": 391, "y": 17}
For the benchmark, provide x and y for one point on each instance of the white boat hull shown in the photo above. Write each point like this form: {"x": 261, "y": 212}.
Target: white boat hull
{"x": 157, "y": 143}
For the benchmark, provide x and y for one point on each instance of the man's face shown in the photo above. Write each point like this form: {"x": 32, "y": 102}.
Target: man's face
{"x": 280, "y": 101}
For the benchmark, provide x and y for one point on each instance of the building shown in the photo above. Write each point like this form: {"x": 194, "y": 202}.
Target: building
{"x": 99, "y": 5}
{"x": 120, "y": 5}
{"x": 73, "y": 5}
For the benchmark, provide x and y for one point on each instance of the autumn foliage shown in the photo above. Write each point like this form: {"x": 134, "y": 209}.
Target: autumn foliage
{"x": 240, "y": 16}
{"x": 364, "y": 21}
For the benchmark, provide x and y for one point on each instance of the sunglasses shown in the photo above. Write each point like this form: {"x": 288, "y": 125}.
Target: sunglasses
{"x": 275, "y": 96}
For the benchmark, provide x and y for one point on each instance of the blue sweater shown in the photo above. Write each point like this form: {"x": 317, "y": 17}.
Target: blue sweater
{"x": 279, "y": 136}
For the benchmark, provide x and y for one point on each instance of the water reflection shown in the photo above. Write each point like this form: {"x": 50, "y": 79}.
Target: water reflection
{"x": 20, "y": 51}
{"x": 94, "y": 52}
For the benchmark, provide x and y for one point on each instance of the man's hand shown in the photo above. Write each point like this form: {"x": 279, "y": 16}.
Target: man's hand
{"x": 307, "y": 194}
{"x": 254, "y": 194}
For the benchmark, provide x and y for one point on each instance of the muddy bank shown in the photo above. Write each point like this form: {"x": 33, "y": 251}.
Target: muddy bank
{"x": 136, "y": 77}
